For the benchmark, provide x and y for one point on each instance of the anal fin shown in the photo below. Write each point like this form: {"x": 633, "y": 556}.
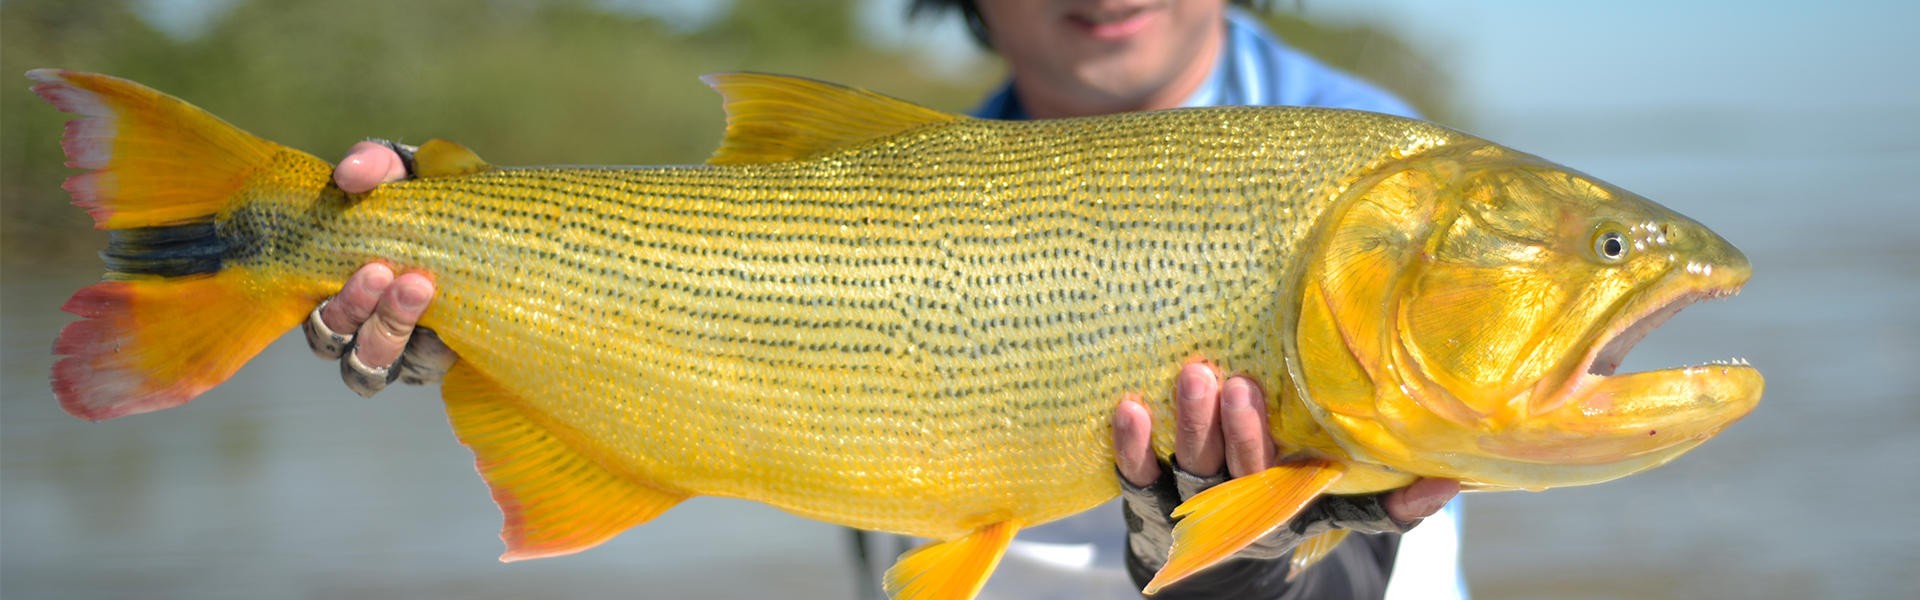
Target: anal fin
{"x": 1220, "y": 521}
{"x": 1314, "y": 549}
{"x": 555, "y": 500}
{"x": 950, "y": 570}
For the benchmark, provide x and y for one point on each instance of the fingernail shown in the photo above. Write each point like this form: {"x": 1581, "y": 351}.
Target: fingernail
{"x": 1193, "y": 384}
{"x": 1237, "y": 395}
{"x": 413, "y": 297}
{"x": 350, "y": 175}
{"x": 1121, "y": 424}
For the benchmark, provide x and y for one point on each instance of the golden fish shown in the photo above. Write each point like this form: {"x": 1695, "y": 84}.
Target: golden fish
{"x": 875, "y": 314}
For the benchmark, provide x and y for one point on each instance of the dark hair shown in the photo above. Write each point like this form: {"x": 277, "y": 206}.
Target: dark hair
{"x": 970, "y": 14}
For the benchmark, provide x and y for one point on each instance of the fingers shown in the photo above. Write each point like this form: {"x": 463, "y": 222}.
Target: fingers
{"x": 367, "y": 165}
{"x": 1196, "y": 442}
{"x": 381, "y": 311}
{"x": 369, "y": 366}
{"x": 1133, "y": 442}
{"x": 385, "y": 333}
{"x": 1243, "y": 427}
{"x": 1216, "y": 426}
{"x": 1420, "y": 500}
{"x": 351, "y": 308}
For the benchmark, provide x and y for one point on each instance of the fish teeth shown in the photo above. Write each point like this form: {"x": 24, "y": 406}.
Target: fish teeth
{"x": 1723, "y": 362}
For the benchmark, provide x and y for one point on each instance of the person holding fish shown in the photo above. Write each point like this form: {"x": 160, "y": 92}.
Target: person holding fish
{"x": 1067, "y": 58}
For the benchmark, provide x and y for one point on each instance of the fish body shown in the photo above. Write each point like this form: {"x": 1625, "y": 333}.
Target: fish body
{"x": 865, "y": 337}
{"x": 874, "y": 314}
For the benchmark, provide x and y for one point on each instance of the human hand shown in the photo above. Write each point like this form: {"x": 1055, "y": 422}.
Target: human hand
{"x": 381, "y": 311}
{"x": 1226, "y": 425}
{"x": 378, "y": 310}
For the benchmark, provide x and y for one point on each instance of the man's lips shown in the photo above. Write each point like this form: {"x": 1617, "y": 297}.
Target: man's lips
{"x": 1112, "y": 24}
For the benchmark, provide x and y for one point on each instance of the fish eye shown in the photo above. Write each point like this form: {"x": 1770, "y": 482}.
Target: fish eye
{"x": 1610, "y": 246}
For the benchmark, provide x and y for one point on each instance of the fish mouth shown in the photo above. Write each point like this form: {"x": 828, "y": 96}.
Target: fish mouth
{"x": 1601, "y": 416}
{"x": 1615, "y": 416}
{"x": 1605, "y": 358}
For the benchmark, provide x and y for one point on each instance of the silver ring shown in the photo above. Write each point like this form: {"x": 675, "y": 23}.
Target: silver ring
{"x": 362, "y": 379}
{"x": 326, "y": 343}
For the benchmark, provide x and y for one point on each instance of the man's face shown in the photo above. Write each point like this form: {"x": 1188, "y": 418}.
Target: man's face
{"x": 1078, "y": 57}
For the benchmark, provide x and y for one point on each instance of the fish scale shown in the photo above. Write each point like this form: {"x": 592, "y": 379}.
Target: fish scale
{"x": 734, "y": 330}
{"x": 879, "y": 315}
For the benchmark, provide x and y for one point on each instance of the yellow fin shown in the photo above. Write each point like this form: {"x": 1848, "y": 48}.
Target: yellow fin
{"x": 1314, "y": 549}
{"x": 444, "y": 158}
{"x": 175, "y": 316}
{"x": 950, "y": 570}
{"x": 145, "y": 343}
{"x": 152, "y": 159}
{"x": 1220, "y": 521}
{"x": 556, "y": 501}
{"x": 773, "y": 118}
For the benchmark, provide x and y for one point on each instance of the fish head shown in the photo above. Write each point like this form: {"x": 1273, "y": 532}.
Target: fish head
{"x": 1463, "y": 312}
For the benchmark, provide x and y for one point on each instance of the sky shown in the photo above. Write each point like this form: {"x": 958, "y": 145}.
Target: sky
{"x": 1628, "y": 54}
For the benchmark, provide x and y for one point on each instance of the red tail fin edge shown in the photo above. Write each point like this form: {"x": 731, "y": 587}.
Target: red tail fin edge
{"x": 144, "y": 345}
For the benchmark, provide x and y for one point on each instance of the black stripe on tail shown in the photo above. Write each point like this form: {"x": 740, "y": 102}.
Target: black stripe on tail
{"x": 167, "y": 251}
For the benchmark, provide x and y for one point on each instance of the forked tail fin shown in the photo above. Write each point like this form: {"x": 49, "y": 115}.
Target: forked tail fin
{"x": 173, "y": 317}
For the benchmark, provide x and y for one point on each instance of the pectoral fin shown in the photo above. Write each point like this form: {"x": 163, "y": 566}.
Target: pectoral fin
{"x": 555, "y": 499}
{"x": 1314, "y": 549}
{"x": 953, "y": 569}
{"x": 1220, "y": 521}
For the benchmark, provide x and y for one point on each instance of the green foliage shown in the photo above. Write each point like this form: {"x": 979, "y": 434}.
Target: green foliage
{"x": 559, "y": 82}
{"x": 521, "y": 83}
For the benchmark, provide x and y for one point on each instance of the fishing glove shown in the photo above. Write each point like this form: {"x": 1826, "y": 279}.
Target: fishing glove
{"x": 1263, "y": 565}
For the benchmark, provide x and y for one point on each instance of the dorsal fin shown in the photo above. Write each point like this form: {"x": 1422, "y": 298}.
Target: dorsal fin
{"x": 772, "y": 118}
{"x": 445, "y": 158}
